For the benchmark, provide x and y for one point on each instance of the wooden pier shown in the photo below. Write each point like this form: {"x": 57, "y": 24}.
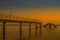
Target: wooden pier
{"x": 5, "y": 20}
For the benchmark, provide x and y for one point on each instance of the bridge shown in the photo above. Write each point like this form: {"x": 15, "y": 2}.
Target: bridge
{"x": 5, "y": 18}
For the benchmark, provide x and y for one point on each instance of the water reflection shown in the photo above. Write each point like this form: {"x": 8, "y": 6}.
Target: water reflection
{"x": 12, "y": 33}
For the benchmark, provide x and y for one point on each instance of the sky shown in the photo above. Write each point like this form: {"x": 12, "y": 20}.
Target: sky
{"x": 43, "y": 10}
{"x": 29, "y": 3}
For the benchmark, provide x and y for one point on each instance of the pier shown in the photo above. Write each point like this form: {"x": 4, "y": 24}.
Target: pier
{"x": 4, "y": 18}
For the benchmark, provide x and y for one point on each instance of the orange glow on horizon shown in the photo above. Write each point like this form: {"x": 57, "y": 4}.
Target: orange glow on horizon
{"x": 44, "y": 15}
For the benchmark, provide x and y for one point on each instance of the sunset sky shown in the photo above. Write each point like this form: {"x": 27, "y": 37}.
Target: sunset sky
{"x": 43, "y": 10}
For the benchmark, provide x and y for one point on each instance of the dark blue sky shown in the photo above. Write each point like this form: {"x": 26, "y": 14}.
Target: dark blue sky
{"x": 29, "y": 3}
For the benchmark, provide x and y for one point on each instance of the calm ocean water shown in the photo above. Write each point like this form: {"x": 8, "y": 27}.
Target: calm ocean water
{"x": 12, "y": 32}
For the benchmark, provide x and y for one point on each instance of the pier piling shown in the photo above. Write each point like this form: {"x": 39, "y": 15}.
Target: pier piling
{"x": 20, "y": 30}
{"x": 4, "y": 30}
{"x": 30, "y": 31}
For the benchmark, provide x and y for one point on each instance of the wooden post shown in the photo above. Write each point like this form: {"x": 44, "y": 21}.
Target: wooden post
{"x": 20, "y": 30}
{"x": 40, "y": 29}
{"x": 30, "y": 31}
{"x": 36, "y": 31}
{"x": 4, "y": 30}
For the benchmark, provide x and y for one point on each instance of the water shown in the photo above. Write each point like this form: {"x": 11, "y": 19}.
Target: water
{"x": 12, "y": 32}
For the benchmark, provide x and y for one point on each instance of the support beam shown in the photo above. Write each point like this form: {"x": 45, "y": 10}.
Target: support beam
{"x": 20, "y": 30}
{"x": 40, "y": 29}
{"x": 36, "y": 30}
{"x": 30, "y": 31}
{"x": 4, "y": 30}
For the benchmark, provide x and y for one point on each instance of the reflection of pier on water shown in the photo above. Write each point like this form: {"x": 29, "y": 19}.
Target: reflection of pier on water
{"x": 49, "y": 26}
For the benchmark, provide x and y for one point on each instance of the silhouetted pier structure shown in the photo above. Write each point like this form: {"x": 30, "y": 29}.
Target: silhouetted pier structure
{"x": 4, "y": 18}
{"x": 11, "y": 19}
{"x": 50, "y": 26}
